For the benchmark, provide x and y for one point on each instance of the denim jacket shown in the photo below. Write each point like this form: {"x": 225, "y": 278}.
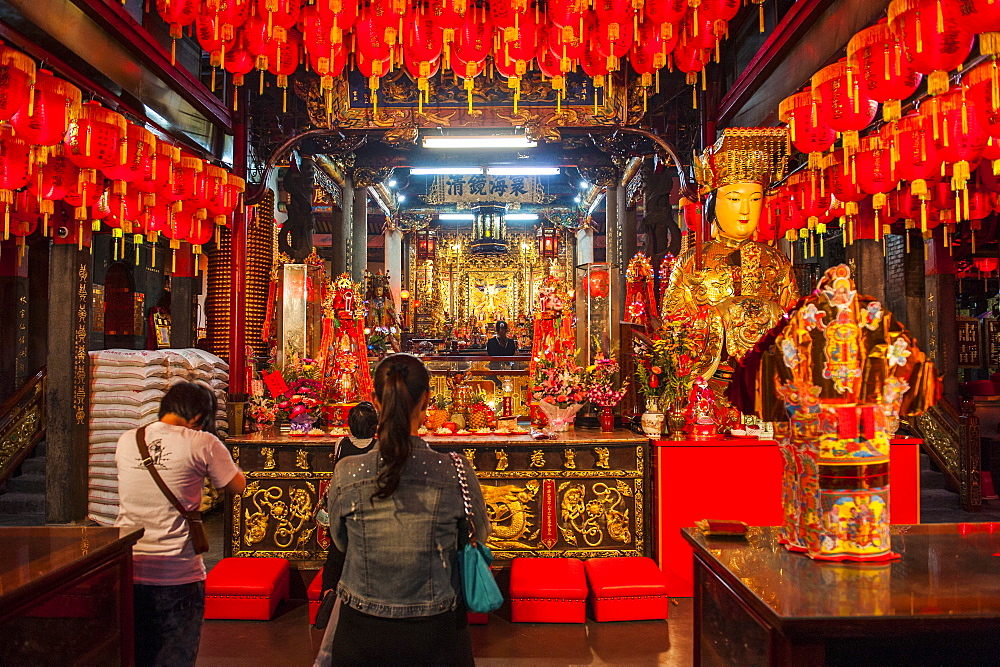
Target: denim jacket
{"x": 402, "y": 551}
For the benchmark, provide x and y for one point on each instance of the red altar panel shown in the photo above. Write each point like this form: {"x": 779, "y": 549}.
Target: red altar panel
{"x": 741, "y": 479}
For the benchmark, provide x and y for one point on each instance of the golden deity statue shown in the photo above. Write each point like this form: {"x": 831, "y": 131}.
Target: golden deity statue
{"x": 741, "y": 287}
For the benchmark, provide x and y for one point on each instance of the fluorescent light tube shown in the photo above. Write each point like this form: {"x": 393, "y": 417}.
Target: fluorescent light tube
{"x": 523, "y": 171}
{"x": 456, "y": 216}
{"x": 445, "y": 171}
{"x": 521, "y": 216}
{"x": 478, "y": 141}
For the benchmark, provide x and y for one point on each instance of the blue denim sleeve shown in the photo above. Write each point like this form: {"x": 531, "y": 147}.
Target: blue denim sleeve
{"x": 338, "y": 526}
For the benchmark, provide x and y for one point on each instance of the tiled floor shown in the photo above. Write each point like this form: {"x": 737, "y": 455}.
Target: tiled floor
{"x": 288, "y": 639}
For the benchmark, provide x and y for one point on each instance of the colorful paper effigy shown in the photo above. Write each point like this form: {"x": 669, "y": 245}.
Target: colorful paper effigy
{"x": 640, "y": 300}
{"x": 345, "y": 353}
{"x": 841, "y": 370}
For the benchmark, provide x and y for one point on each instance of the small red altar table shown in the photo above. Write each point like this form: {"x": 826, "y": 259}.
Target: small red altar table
{"x": 740, "y": 478}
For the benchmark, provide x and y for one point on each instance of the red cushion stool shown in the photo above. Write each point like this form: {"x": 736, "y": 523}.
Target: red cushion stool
{"x": 627, "y": 589}
{"x": 548, "y": 590}
{"x": 246, "y": 588}
{"x": 314, "y": 593}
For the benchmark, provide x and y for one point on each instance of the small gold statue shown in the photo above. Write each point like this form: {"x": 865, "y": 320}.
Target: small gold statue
{"x": 741, "y": 287}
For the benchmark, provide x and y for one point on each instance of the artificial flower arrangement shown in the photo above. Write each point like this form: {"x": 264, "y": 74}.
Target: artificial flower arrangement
{"x": 559, "y": 381}
{"x": 601, "y": 390}
{"x": 665, "y": 369}
{"x": 296, "y": 395}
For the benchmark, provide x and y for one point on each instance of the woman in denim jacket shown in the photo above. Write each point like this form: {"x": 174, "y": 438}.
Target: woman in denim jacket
{"x": 397, "y": 513}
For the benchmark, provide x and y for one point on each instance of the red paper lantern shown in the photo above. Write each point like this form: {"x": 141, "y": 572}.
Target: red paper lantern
{"x": 256, "y": 36}
{"x": 24, "y": 214}
{"x": 155, "y": 216}
{"x": 42, "y": 119}
{"x": 188, "y": 185}
{"x": 720, "y": 10}
{"x": 449, "y": 14}
{"x": 139, "y": 145}
{"x": 239, "y": 63}
{"x": 15, "y": 164}
{"x": 665, "y": 11}
{"x": 563, "y": 13}
{"x": 960, "y": 139}
{"x": 178, "y": 13}
{"x": 566, "y": 42}
{"x": 980, "y": 17}
{"x": 786, "y": 214}
{"x": 53, "y": 182}
{"x": 388, "y": 15}
{"x": 157, "y": 173}
{"x": 914, "y": 140}
{"x": 846, "y": 107}
{"x": 230, "y": 15}
{"x": 813, "y": 196}
{"x": 279, "y": 13}
{"x": 687, "y": 59}
{"x": 876, "y": 56}
{"x": 986, "y": 265}
{"x": 842, "y": 172}
{"x": 613, "y": 40}
{"x": 932, "y": 40}
{"x": 809, "y": 131}
{"x": 95, "y": 138}
{"x": 282, "y": 61}
{"x": 474, "y": 39}
{"x": 520, "y": 42}
{"x": 982, "y": 90}
{"x": 423, "y": 40}
{"x": 370, "y": 40}
{"x": 235, "y": 187}
{"x": 874, "y": 166}
{"x": 597, "y": 284}
{"x": 17, "y": 71}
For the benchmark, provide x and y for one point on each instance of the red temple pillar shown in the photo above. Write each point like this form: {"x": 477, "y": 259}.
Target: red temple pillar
{"x": 237, "y": 263}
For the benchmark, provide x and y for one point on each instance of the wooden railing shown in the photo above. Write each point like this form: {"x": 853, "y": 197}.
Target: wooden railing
{"x": 951, "y": 440}
{"x": 22, "y": 424}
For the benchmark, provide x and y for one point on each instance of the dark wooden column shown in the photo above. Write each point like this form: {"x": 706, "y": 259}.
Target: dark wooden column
{"x": 66, "y": 393}
{"x": 867, "y": 263}
{"x": 942, "y": 327}
{"x": 38, "y": 305}
{"x": 14, "y": 323}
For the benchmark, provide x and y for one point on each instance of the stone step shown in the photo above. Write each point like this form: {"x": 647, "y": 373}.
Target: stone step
{"x": 27, "y": 483}
{"x": 18, "y": 503}
{"x": 22, "y": 520}
{"x": 33, "y": 466}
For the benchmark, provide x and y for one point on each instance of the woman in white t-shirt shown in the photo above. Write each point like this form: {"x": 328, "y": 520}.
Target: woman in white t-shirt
{"x": 169, "y": 577}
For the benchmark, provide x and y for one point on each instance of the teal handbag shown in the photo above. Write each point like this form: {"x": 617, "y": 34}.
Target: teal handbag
{"x": 479, "y": 588}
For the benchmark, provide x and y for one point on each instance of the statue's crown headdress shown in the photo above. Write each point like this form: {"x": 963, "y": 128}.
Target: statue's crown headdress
{"x": 744, "y": 155}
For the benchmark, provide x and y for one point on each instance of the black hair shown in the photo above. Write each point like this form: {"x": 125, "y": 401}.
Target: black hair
{"x": 501, "y": 323}
{"x": 362, "y": 419}
{"x": 401, "y": 382}
{"x": 708, "y": 211}
{"x": 193, "y": 402}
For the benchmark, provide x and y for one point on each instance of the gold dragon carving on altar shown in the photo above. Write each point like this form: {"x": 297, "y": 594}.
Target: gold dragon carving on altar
{"x": 587, "y": 520}
{"x": 509, "y": 513}
{"x": 292, "y": 518}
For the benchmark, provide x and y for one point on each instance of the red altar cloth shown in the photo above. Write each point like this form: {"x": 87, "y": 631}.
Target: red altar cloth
{"x": 740, "y": 478}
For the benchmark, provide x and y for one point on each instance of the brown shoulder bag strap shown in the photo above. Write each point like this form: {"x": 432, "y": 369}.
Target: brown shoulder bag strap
{"x": 147, "y": 460}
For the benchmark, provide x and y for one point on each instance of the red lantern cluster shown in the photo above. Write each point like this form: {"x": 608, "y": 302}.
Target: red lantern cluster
{"x": 559, "y": 36}
{"x": 56, "y": 151}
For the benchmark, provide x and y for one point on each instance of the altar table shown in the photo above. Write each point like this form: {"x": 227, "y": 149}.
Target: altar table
{"x": 740, "y": 478}
{"x": 66, "y": 595}
{"x": 582, "y": 495}
{"x": 758, "y": 603}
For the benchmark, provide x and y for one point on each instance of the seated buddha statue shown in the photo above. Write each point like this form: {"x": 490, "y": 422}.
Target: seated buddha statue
{"x": 740, "y": 287}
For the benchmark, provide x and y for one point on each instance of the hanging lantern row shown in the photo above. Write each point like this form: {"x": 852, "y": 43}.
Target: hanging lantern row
{"x": 425, "y": 37}
{"x": 932, "y": 167}
{"x": 54, "y": 147}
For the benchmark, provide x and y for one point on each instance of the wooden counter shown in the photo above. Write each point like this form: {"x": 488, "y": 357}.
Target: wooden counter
{"x": 758, "y": 603}
{"x": 581, "y": 495}
{"x": 66, "y": 595}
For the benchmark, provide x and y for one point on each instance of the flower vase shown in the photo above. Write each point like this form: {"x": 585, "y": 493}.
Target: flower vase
{"x": 652, "y": 419}
{"x": 677, "y": 421}
{"x": 607, "y": 418}
{"x": 560, "y": 418}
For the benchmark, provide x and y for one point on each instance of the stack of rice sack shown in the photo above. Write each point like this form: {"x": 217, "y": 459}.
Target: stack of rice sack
{"x": 126, "y": 389}
{"x": 206, "y": 369}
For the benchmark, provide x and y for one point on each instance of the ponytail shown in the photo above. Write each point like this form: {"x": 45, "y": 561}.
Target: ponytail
{"x": 401, "y": 380}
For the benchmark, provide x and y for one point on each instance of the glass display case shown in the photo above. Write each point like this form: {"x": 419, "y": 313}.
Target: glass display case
{"x": 300, "y": 308}
{"x": 598, "y": 291}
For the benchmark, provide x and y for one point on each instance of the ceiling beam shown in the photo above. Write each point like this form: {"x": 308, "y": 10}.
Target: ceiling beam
{"x": 790, "y": 29}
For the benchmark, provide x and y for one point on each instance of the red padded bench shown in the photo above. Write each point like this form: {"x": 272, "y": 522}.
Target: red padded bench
{"x": 627, "y": 589}
{"x": 314, "y": 593}
{"x": 548, "y": 590}
{"x": 246, "y": 588}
